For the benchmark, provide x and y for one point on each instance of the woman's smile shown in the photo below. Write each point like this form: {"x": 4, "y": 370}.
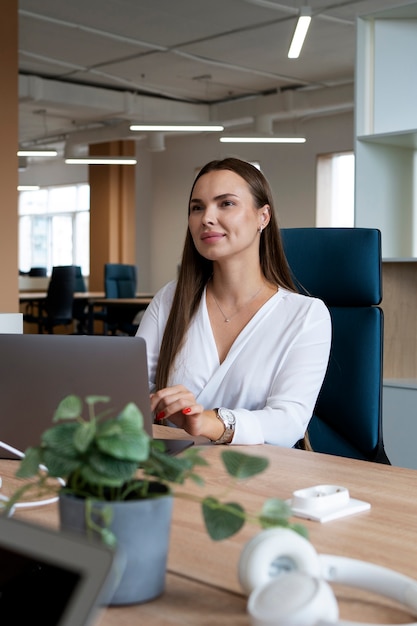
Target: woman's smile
{"x": 210, "y": 237}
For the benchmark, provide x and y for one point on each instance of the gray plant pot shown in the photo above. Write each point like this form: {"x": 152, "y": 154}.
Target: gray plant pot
{"x": 142, "y": 530}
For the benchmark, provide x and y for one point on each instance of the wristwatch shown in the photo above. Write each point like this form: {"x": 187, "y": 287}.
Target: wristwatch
{"x": 228, "y": 419}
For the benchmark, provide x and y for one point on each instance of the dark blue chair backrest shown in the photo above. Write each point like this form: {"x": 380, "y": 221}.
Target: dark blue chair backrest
{"x": 79, "y": 279}
{"x": 37, "y": 271}
{"x": 342, "y": 266}
{"x": 60, "y": 295}
{"x": 120, "y": 280}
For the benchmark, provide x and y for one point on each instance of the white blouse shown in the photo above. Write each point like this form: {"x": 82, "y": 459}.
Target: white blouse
{"x": 272, "y": 374}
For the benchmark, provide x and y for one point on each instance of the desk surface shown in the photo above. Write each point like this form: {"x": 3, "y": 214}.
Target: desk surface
{"x": 202, "y": 586}
{"x": 102, "y": 300}
{"x": 92, "y": 296}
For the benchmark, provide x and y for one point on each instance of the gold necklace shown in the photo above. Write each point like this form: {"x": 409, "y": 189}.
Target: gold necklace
{"x": 227, "y": 318}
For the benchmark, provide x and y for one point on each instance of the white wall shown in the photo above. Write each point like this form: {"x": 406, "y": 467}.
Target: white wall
{"x": 53, "y": 172}
{"x": 290, "y": 169}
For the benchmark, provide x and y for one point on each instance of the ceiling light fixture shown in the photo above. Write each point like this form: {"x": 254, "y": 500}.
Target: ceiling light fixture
{"x": 101, "y": 161}
{"x": 177, "y": 127}
{"x": 262, "y": 139}
{"x": 301, "y": 28}
{"x": 36, "y": 153}
{"x": 28, "y": 187}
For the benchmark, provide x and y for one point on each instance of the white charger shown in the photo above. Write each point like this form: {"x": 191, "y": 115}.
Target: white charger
{"x": 324, "y": 503}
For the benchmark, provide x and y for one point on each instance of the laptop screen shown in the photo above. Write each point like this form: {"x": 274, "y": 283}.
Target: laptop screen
{"x": 50, "y": 578}
{"x": 38, "y": 371}
{"x": 20, "y": 572}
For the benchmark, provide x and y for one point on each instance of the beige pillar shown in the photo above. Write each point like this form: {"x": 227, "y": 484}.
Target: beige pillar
{"x": 9, "y": 300}
{"x": 112, "y": 211}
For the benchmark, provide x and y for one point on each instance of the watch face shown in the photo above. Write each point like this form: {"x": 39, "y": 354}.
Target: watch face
{"x": 227, "y": 415}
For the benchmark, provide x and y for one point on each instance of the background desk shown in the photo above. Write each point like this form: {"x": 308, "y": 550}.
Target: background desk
{"x": 135, "y": 304}
{"x": 94, "y": 300}
{"x": 202, "y": 586}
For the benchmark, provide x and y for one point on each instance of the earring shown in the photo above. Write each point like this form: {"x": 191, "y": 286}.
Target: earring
{"x": 260, "y": 229}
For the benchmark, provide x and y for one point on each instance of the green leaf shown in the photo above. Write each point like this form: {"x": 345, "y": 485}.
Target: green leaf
{"x": 168, "y": 468}
{"x": 108, "y": 538}
{"x": 61, "y": 438}
{"x": 131, "y": 417}
{"x": 59, "y": 465}
{"x": 29, "y": 465}
{"x": 240, "y": 465}
{"x": 84, "y": 435}
{"x": 108, "y": 467}
{"x": 109, "y": 428}
{"x": 222, "y": 520}
{"x": 96, "y": 477}
{"x": 300, "y": 529}
{"x": 198, "y": 480}
{"x": 194, "y": 454}
{"x": 123, "y": 444}
{"x": 275, "y": 512}
{"x": 124, "y": 437}
{"x": 68, "y": 409}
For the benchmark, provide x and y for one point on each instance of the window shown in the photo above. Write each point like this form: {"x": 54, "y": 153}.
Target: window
{"x": 54, "y": 227}
{"x": 335, "y": 190}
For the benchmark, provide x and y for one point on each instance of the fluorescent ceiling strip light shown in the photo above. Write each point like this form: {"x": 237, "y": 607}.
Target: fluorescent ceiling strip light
{"x": 177, "y": 127}
{"x": 28, "y": 187}
{"x": 101, "y": 161}
{"x": 300, "y": 33}
{"x": 262, "y": 139}
{"x": 35, "y": 153}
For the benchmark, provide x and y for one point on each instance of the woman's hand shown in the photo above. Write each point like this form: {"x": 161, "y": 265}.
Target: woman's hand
{"x": 179, "y": 405}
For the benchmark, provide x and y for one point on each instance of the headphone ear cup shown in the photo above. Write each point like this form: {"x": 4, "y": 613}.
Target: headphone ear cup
{"x": 273, "y": 552}
{"x": 293, "y": 599}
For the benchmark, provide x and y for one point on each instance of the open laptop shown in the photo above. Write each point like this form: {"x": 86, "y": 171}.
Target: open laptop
{"x": 51, "y": 578}
{"x": 38, "y": 371}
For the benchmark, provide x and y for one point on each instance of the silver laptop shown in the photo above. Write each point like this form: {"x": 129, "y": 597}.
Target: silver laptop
{"x": 51, "y": 578}
{"x": 38, "y": 371}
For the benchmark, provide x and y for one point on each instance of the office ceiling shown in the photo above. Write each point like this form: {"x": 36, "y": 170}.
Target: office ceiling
{"x": 86, "y": 67}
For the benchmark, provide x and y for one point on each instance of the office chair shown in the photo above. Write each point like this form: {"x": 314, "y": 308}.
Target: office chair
{"x": 342, "y": 266}
{"x": 79, "y": 307}
{"x": 37, "y": 271}
{"x": 56, "y": 309}
{"x": 120, "y": 281}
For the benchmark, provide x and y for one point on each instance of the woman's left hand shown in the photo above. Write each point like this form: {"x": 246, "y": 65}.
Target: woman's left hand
{"x": 179, "y": 406}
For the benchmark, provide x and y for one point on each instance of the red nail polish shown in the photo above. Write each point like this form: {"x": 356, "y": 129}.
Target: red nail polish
{"x": 187, "y": 410}
{"x": 160, "y": 415}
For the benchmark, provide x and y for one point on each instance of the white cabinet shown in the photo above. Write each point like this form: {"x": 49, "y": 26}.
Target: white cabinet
{"x": 386, "y": 128}
{"x": 386, "y": 198}
{"x": 400, "y": 422}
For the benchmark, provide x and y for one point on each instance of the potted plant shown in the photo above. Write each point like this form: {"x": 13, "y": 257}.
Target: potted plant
{"x": 117, "y": 483}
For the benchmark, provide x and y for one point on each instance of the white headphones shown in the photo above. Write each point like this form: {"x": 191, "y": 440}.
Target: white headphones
{"x": 286, "y": 580}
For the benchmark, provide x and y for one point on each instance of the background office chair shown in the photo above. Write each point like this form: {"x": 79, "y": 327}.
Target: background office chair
{"x": 79, "y": 307}
{"x": 56, "y": 309}
{"x": 120, "y": 281}
{"x": 342, "y": 266}
{"x": 37, "y": 271}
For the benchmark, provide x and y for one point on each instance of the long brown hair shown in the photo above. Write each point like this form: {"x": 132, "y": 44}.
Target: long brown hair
{"x": 195, "y": 270}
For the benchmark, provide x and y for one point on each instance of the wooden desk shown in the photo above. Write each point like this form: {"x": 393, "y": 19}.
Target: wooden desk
{"x": 35, "y": 296}
{"x": 94, "y": 300}
{"x": 138, "y": 303}
{"x": 202, "y": 586}
{"x": 94, "y": 296}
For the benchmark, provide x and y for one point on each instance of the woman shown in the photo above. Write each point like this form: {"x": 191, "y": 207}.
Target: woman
{"x": 235, "y": 354}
